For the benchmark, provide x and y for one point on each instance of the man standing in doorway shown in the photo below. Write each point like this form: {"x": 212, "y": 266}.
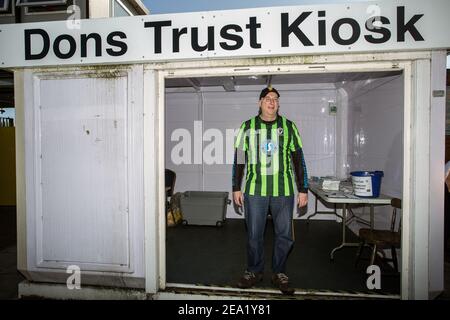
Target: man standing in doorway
{"x": 266, "y": 144}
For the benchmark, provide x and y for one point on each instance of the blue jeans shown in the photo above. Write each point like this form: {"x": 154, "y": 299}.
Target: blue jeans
{"x": 256, "y": 209}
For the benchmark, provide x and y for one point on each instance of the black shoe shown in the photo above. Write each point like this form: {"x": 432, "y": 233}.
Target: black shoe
{"x": 249, "y": 279}
{"x": 282, "y": 282}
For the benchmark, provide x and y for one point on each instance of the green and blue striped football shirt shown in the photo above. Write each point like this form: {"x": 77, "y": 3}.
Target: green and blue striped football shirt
{"x": 268, "y": 147}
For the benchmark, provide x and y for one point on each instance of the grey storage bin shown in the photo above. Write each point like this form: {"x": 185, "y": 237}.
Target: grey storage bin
{"x": 206, "y": 208}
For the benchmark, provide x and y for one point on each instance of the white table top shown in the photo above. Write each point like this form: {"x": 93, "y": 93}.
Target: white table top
{"x": 341, "y": 197}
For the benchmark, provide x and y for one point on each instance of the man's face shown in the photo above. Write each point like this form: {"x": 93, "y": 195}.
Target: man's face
{"x": 269, "y": 104}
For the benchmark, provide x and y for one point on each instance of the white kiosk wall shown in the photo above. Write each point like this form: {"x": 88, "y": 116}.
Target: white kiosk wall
{"x": 37, "y": 265}
{"x": 84, "y": 144}
{"x": 411, "y": 41}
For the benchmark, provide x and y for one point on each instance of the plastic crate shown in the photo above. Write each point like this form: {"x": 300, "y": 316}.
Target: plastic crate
{"x": 205, "y": 208}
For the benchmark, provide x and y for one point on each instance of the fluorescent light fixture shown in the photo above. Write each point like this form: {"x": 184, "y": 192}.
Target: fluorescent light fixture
{"x": 30, "y": 3}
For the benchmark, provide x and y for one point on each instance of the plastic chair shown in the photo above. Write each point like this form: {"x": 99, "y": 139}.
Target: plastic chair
{"x": 382, "y": 239}
{"x": 170, "y": 179}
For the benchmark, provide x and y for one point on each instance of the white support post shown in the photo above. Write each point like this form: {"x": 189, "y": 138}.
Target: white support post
{"x": 161, "y": 190}
{"x": 437, "y": 163}
{"x": 420, "y": 180}
{"x": 150, "y": 185}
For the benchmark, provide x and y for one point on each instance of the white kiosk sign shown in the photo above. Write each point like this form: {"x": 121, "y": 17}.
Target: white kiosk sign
{"x": 356, "y": 27}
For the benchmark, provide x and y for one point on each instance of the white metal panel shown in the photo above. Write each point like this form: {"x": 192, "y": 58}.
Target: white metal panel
{"x": 377, "y": 132}
{"x": 189, "y": 112}
{"x": 182, "y": 110}
{"x": 85, "y": 193}
{"x": 218, "y": 144}
{"x": 224, "y": 113}
{"x": 84, "y": 153}
{"x": 308, "y": 108}
{"x": 234, "y": 106}
{"x": 376, "y": 135}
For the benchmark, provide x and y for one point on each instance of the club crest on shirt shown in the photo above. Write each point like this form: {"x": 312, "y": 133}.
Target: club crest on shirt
{"x": 280, "y": 131}
{"x": 269, "y": 147}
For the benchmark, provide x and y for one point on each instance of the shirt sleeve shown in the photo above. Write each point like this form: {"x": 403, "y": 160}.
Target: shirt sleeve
{"x": 298, "y": 160}
{"x": 240, "y": 146}
{"x": 238, "y": 169}
{"x": 296, "y": 140}
{"x": 241, "y": 139}
{"x": 301, "y": 174}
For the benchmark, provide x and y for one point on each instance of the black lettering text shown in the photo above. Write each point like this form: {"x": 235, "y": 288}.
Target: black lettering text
{"x": 253, "y": 26}
{"x": 233, "y": 37}
{"x": 356, "y": 31}
{"x": 385, "y": 33}
{"x": 287, "y": 29}
{"x": 194, "y": 40}
{"x": 322, "y": 29}
{"x": 98, "y": 44}
{"x": 45, "y": 38}
{"x": 116, "y": 43}
{"x": 402, "y": 28}
{"x": 72, "y": 46}
{"x": 176, "y": 34}
{"x": 158, "y": 26}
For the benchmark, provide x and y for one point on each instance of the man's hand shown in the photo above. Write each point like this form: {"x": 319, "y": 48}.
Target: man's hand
{"x": 238, "y": 198}
{"x": 302, "y": 199}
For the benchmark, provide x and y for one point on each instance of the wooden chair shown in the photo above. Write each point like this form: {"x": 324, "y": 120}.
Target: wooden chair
{"x": 382, "y": 239}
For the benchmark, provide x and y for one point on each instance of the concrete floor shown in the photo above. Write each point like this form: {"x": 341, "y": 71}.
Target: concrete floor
{"x": 217, "y": 257}
{"x": 446, "y": 294}
{"x": 10, "y": 277}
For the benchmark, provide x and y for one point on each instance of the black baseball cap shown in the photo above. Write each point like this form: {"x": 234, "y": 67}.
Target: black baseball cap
{"x": 265, "y": 91}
